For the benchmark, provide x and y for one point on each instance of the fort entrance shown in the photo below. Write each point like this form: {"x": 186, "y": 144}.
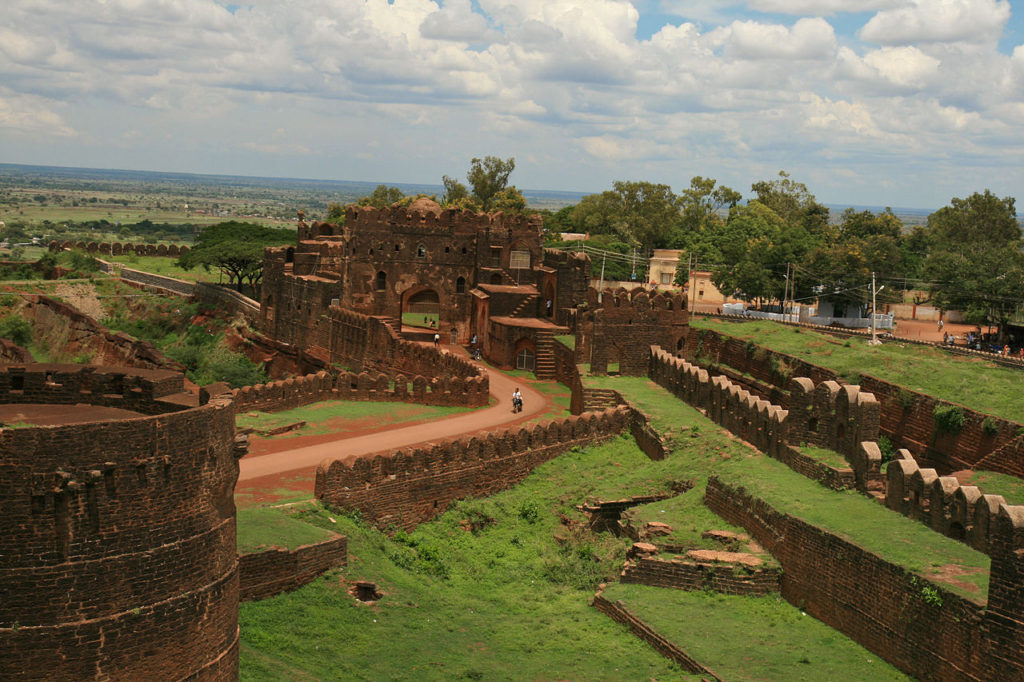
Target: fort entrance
{"x": 421, "y": 309}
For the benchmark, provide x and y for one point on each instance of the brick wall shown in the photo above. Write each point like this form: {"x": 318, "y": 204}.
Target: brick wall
{"x": 312, "y": 388}
{"x": 623, "y": 325}
{"x": 117, "y": 248}
{"x": 228, "y": 300}
{"x": 265, "y": 574}
{"x": 769, "y": 427}
{"x": 906, "y": 417}
{"x": 148, "y": 279}
{"x": 117, "y": 557}
{"x": 407, "y": 487}
{"x": 883, "y": 606}
{"x": 684, "y": 574}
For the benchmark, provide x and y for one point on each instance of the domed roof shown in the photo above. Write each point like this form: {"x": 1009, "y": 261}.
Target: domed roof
{"x": 426, "y": 205}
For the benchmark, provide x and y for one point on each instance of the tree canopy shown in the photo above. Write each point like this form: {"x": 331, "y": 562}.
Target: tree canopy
{"x": 236, "y": 249}
{"x": 488, "y": 178}
{"x": 382, "y": 196}
{"x": 976, "y": 260}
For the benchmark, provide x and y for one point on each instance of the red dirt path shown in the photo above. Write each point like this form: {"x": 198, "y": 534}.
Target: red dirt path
{"x": 291, "y": 471}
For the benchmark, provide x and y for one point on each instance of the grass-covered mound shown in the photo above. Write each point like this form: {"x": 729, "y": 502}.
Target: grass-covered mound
{"x": 974, "y": 382}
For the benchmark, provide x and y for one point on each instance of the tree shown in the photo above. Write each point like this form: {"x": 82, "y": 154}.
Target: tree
{"x": 335, "y": 213}
{"x": 236, "y": 249}
{"x": 792, "y": 202}
{"x": 643, "y": 214}
{"x": 697, "y": 232}
{"x": 382, "y": 196}
{"x": 488, "y": 177}
{"x": 454, "y": 191}
{"x": 977, "y": 258}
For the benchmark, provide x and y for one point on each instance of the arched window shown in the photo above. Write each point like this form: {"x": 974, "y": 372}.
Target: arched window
{"x": 460, "y": 285}
{"x": 289, "y": 255}
{"x": 525, "y": 359}
{"x": 381, "y": 282}
{"x": 421, "y": 251}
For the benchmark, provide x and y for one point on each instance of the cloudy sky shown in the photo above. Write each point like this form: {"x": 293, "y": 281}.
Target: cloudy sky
{"x": 880, "y": 102}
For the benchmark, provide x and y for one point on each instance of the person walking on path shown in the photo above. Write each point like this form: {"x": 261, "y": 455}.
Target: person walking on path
{"x": 437, "y": 339}
{"x": 517, "y": 401}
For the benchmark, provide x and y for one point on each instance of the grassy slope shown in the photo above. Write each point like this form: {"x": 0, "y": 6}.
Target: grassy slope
{"x": 785, "y": 644}
{"x": 849, "y": 515}
{"x": 508, "y": 602}
{"x": 973, "y": 382}
{"x": 261, "y": 528}
{"x": 162, "y": 266}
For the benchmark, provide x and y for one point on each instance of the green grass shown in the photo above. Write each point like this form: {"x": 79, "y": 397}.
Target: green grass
{"x": 509, "y": 601}
{"x": 567, "y": 339}
{"x": 992, "y": 483}
{"x": 973, "y": 382}
{"x": 752, "y": 638}
{"x": 161, "y": 265}
{"x": 849, "y": 515}
{"x": 687, "y": 516}
{"x": 261, "y": 528}
{"x": 314, "y": 415}
{"x": 825, "y": 456}
{"x": 420, "y": 319}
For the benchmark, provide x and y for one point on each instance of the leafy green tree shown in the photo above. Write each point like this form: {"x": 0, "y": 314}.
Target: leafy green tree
{"x": 454, "y": 192}
{"x": 17, "y": 329}
{"x": 382, "y": 196}
{"x": 488, "y": 177}
{"x": 236, "y": 249}
{"x": 977, "y": 258}
{"x": 867, "y": 243}
{"x": 792, "y": 202}
{"x": 644, "y": 214}
{"x": 335, "y": 213}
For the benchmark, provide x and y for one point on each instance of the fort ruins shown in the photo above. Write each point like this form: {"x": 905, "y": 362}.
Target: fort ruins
{"x": 119, "y": 558}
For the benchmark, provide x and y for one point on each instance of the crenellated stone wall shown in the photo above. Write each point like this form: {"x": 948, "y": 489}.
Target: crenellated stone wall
{"x": 403, "y": 488}
{"x": 374, "y": 386}
{"x": 118, "y": 249}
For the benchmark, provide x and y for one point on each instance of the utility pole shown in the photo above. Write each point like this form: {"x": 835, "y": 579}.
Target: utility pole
{"x": 600, "y": 287}
{"x": 874, "y": 293}
{"x": 785, "y": 294}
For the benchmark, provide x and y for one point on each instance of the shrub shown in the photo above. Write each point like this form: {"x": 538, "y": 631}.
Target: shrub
{"x": 887, "y": 448}
{"x": 906, "y": 398}
{"x": 949, "y": 418}
{"x": 989, "y": 426}
{"x": 17, "y": 329}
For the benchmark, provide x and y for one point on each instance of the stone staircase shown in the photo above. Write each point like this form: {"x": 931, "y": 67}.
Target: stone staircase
{"x": 596, "y": 399}
{"x": 544, "y": 362}
{"x": 528, "y": 304}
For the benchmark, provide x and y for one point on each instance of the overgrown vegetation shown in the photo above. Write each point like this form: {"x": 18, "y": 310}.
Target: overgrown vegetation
{"x": 185, "y": 333}
{"x": 949, "y": 418}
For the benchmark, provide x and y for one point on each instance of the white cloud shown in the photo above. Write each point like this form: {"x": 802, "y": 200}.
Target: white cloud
{"x": 29, "y": 115}
{"x": 807, "y": 39}
{"x": 906, "y": 67}
{"x": 939, "y": 21}
{"x": 822, "y": 7}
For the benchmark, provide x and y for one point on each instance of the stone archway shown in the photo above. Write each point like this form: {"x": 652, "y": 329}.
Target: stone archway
{"x": 421, "y": 308}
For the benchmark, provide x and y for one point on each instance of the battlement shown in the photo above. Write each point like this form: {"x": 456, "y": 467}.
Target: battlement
{"x": 374, "y": 386}
{"x": 119, "y": 249}
{"x": 408, "y": 487}
{"x": 427, "y": 215}
{"x": 621, "y": 301}
{"x": 834, "y": 416}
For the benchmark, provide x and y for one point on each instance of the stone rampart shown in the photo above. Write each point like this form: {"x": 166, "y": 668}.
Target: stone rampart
{"x": 404, "y": 488}
{"x": 406, "y": 218}
{"x": 118, "y": 248}
{"x": 619, "y": 326}
{"x": 374, "y": 386}
{"x": 365, "y": 342}
{"x": 770, "y": 428}
{"x": 159, "y": 282}
{"x": 906, "y": 417}
{"x": 117, "y": 559}
{"x": 268, "y": 573}
{"x": 228, "y": 300}
{"x": 919, "y": 626}
{"x": 685, "y": 574}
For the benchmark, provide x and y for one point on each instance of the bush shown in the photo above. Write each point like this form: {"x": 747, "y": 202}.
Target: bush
{"x": 989, "y": 426}
{"x": 949, "y": 418}
{"x": 906, "y": 398}
{"x": 17, "y": 329}
{"x": 887, "y": 448}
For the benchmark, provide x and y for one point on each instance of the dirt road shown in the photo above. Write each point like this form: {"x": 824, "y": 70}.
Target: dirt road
{"x": 303, "y": 461}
